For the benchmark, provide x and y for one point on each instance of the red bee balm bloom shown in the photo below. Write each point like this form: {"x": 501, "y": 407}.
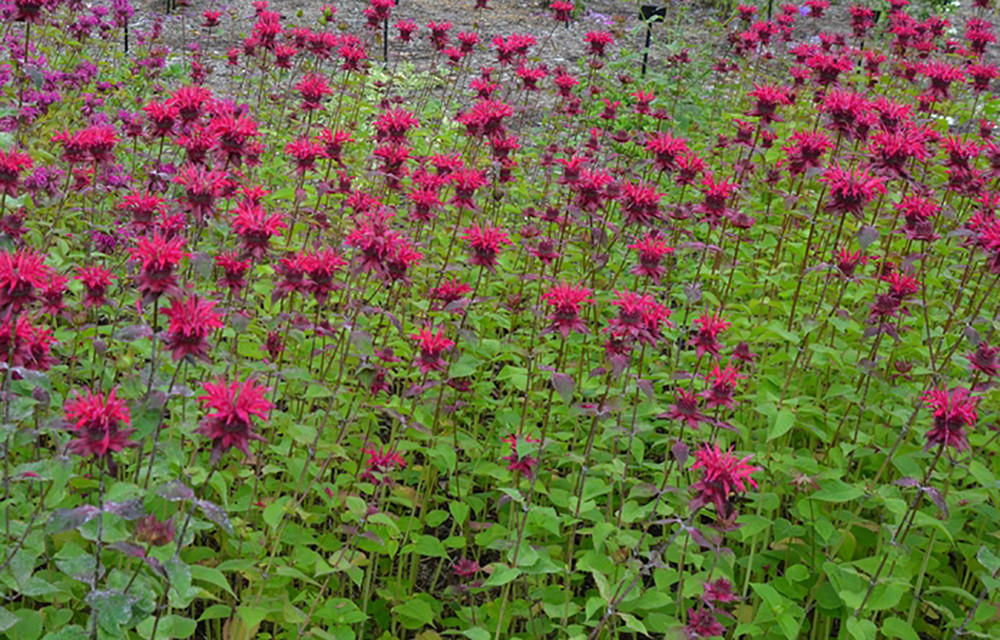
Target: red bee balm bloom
{"x": 23, "y": 274}
{"x": 380, "y": 462}
{"x": 523, "y": 464}
{"x": 431, "y": 347}
{"x": 255, "y": 228}
{"x": 639, "y": 318}
{"x": 235, "y": 404}
{"x": 709, "y": 328}
{"x": 233, "y": 270}
{"x": 313, "y": 89}
{"x": 159, "y": 256}
{"x": 485, "y": 242}
{"x": 96, "y": 281}
{"x": 567, "y": 300}
{"x": 953, "y": 411}
{"x": 984, "y": 359}
{"x": 190, "y": 323}
{"x": 851, "y": 190}
{"x": 11, "y": 166}
{"x": 724, "y": 475}
{"x": 97, "y": 419}
{"x": 598, "y": 41}
{"x": 651, "y": 250}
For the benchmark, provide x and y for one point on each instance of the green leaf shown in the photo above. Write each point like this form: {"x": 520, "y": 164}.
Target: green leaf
{"x": 987, "y": 559}
{"x": 834, "y": 490}
{"x": 633, "y": 623}
{"x": 7, "y": 619}
{"x": 274, "y": 512}
{"x": 429, "y": 546}
{"x": 215, "y": 612}
{"x": 212, "y": 576}
{"x": 466, "y": 366}
{"x": 414, "y": 613}
{"x": 317, "y": 390}
{"x": 459, "y": 511}
{"x": 502, "y": 574}
{"x": 897, "y": 628}
{"x": 784, "y": 421}
{"x": 252, "y": 616}
{"x": 477, "y": 633}
{"x": 861, "y": 629}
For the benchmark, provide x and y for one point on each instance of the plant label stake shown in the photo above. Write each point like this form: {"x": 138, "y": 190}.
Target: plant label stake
{"x": 650, "y": 13}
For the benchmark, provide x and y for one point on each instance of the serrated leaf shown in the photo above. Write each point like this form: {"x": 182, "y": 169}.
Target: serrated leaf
{"x": 564, "y": 386}
{"x": 834, "y": 490}
{"x": 414, "y": 613}
{"x": 216, "y": 514}
{"x": 67, "y": 519}
{"x": 783, "y": 421}
{"x": 897, "y": 628}
{"x": 175, "y": 491}
{"x": 212, "y": 576}
{"x": 502, "y": 574}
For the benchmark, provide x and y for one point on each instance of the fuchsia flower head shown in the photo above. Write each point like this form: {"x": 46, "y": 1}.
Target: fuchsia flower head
{"x": 651, "y": 249}
{"x": 158, "y": 257}
{"x": 380, "y": 464}
{"x": 313, "y": 89}
{"x": 485, "y": 242}
{"x": 721, "y": 386}
{"x": 191, "y": 321}
{"x": 96, "y": 281}
{"x": 566, "y": 300}
{"x": 706, "y": 338}
{"x": 234, "y": 405}
{"x": 432, "y": 346}
{"x": 768, "y": 98}
{"x": 97, "y": 421}
{"x": 851, "y": 190}
{"x": 954, "y": 411}
{"x": 23, "y": 274}
{"x": 518, "y": 461}
{"x": 256, "y": 227}
{"x": 723, "y": 476}
{"x": 984, "y": 359}
{"x": 11, "y": 165}
{"x": 639, "y": 318}
{"x": 805, "y": 151}
{"x": 598, "y": 41}
{"x": 561, "y": 10}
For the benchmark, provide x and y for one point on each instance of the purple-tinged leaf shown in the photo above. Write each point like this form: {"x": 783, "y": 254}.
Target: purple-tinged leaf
{"x": 972, "y": 335}
{"x": 216, "y": 514}
{"x": 129, "y": 549}
{"x": 599, "y": 371}
{"x": 175, "y": 491}
{"x": 867, "y": 234}
{"x": 129, "y": 510}
{"x": 239, "y": 321}
{"x": 698, "y": 537}
{"x": 155, "y": 565}
{"x": 564, "y": 386}
{"x": 680, "y": 453}
{"x": 937, "y": 499}
{"x": 133, "y": 332}
{"x": 67, "y": 519}
{"x": 692, "y": 292}
{"x": 618, "y": 365}
{"x": 907, "y": 482}
{"x": 646, "y": 387}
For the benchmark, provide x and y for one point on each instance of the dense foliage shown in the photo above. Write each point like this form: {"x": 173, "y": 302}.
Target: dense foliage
{"x": 301, "y": 342}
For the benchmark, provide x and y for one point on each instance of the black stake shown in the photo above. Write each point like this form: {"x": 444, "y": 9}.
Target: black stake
{"x": 650, "y": 13}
